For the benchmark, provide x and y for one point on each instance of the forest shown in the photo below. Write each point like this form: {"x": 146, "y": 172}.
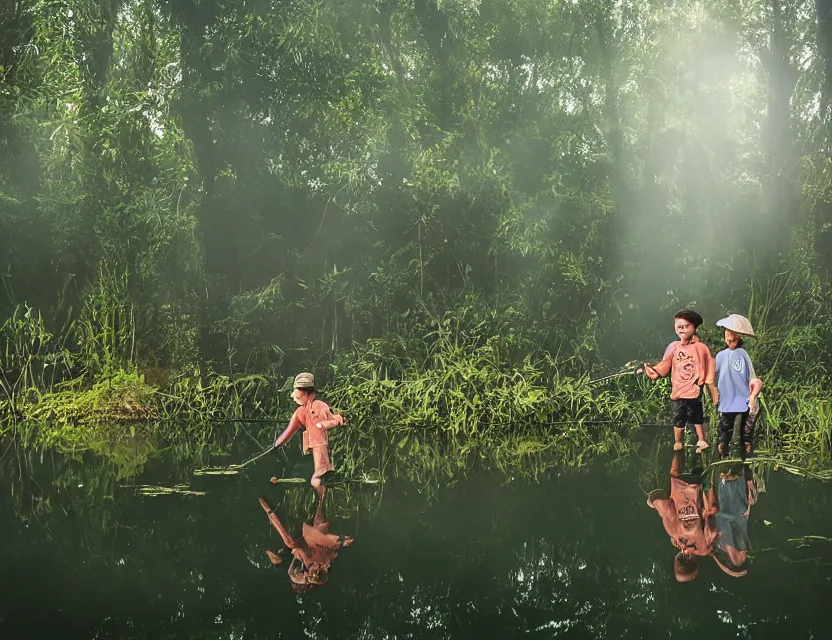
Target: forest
{"x": 456, "y": 213}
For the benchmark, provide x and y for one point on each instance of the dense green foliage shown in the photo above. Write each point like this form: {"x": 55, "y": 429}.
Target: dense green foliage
{"x": 481, "y": 200}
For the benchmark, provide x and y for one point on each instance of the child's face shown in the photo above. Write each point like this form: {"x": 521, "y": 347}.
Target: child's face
{"x": 684, "y": 329}
{"x": 299, "y": 396}
{"x": 732, "y": 339}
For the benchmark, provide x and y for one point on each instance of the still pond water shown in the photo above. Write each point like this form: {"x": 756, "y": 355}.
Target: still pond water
{"x": 578, "y": 554}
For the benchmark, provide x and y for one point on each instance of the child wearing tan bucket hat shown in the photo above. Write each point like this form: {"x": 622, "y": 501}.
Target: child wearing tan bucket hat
{"x": 315, "y": 417}
{"x": 737, "y": 383}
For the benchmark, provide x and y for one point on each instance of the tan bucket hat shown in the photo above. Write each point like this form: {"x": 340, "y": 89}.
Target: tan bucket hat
{"x": 737, "y": 323}
{"x": 304, "y": 380}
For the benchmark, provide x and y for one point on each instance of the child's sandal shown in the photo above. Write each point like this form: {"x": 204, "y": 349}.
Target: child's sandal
{"x": 701, "y": 446}
{"x": 677, "y": 446}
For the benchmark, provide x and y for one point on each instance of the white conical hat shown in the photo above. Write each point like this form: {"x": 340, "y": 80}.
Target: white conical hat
{"x": 737, "y": 323}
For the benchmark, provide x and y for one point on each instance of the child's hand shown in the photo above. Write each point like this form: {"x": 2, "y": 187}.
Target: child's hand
{"x": 714, "y": 393}
{"x": 649, "y": 371}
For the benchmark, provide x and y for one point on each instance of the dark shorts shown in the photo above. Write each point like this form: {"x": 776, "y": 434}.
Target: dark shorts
{"x": 687, "y": 411}
{"x": 730, "y": 421}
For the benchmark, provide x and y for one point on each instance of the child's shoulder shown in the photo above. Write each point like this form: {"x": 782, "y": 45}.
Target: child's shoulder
{"x": 319, "y": 406}
{"x": 702, "y": 346}
{"x": 672, "y": 346}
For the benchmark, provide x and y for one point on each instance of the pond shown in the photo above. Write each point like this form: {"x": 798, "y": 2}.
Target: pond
{"x": 578, "y": 553}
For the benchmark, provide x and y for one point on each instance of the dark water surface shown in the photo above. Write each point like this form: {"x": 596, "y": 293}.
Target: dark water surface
{"x": 577, "y": 555}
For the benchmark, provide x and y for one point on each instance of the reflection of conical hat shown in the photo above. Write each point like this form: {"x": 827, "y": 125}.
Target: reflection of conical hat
{"x": 737, "y": 323}
{"x": 727, "y": 566}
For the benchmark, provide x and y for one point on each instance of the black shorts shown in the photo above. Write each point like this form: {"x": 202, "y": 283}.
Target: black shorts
{"x": 687, "y": 411}
{"x": 729, "y": 421}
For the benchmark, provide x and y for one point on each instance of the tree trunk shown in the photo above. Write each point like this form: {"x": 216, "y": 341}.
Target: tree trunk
{"x": 780, "y": 138}
{"x": 824, "y": 38}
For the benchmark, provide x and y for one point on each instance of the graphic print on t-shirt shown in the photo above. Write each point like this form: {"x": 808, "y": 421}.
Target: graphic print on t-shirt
{"x": 738, "y": 365}
{"x": 685, "y": 365}
{"x": 687, "y": 512}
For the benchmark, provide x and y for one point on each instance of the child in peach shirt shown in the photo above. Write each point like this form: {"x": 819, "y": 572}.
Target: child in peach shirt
{"x": 315, "y": 418}
{"x": 691, "y": 366}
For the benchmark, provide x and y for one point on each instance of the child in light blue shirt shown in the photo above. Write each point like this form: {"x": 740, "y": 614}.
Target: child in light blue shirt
{"x": 737, "y": 384}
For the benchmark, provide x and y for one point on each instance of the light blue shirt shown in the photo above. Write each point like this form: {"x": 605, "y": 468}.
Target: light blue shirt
{"x": 734, "y": 372}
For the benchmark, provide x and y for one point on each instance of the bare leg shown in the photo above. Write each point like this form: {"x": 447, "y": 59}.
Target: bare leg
{"x": 677, "y": 465}
{"x": 678, "y": 435}
{"x": 319, "y": 511}
{"x": 319, "y": 487}
{"x": 700, "y": 434}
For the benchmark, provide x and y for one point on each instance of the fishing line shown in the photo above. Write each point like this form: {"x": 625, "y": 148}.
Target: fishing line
{"x": 251, "y": 437}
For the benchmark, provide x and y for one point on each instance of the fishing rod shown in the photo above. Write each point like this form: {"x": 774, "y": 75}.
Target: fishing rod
{"x": 268, "y": 449}
{"x": 611, "y": 377}
{"x": 629, "y": 369}
{"x": 234, "y": 469}
{"x": 277, "y": 418}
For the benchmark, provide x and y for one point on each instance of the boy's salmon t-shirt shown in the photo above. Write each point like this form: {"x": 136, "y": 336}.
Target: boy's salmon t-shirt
{"x": 307, "y": 416}
{"x": 691, "y": 366}
{"x": 683, "y": 519}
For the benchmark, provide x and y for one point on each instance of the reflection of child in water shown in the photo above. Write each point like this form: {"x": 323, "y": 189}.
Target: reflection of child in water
{"x": 687, "y": 517}
{"x": 735, "y": 494}
{"x": 312, "y": 552}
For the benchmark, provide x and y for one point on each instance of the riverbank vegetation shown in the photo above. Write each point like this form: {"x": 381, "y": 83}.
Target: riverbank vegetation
{"x": 455, "y": 214}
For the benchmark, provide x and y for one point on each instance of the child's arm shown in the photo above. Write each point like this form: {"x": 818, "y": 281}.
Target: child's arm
{"x": 709, "y": 502}
{"x": 288, "y": 540}
{"x": 756, "y": 385}
{"x": 711, "y": 533}
{"x": 714, "y": 393}
{"x": 670, "y": 519}
{"x": 710, "y": 373}
{"x": 661, "y": 368}
{"x": 649, "y": 371}
{"x": 294, "y": 425}
{"x": 336, "y": 421}
{"x": 332, "y": 419}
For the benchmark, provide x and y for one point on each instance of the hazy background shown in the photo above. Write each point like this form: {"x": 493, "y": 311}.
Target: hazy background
{"x": 258, "y": 184}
